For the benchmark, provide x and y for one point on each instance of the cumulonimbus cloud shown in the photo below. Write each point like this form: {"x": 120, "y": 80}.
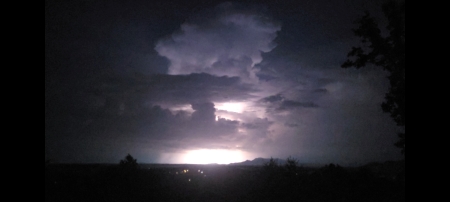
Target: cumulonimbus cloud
{"x": 226, "y": 43}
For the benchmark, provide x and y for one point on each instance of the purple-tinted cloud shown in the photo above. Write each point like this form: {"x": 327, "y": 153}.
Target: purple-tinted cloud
{"x": 230, "y": 86}
{"x": 228, "y": 42}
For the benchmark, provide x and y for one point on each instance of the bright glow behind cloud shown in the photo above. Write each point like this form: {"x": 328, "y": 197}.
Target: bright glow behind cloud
{"x": 226, "y": 42}
{"x": 237, "y": 107}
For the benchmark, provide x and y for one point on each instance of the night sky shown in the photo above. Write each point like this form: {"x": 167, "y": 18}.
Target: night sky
{"x": 212, "y": 82}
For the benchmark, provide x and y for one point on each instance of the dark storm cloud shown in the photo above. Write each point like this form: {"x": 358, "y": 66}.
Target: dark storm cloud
{"x": 204, "y": 112}
{"x": 222, "y": 122}
{"x": 107, "y": 92}
{"x": 280, "y": 103}
{"x": 226, "y": 41}
{"x": 196, "y": 131}
{"x": 292, "y": 125}
{"x": 200, "y": 126}
{"x": 320, "y": 90}
{"x": 257, "y": 134}
{"x": 290, "y": 104}
{"x": 273, "y": 98}
{"x": 152, "y": 129}
{"x": 168, "y": 89}
{"x": 198, "y": 87}
{"x": 325, "y": 81}
{"x": 129, "y": 109}
{"x": 257, "y": 124}
{"x": 134, "y": 101}
{"x": 114, "y": 102}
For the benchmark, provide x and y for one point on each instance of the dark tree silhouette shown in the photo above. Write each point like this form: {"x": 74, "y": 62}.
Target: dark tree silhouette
{"x": 387, "y": 52}
{"x": 271, "y": 164}
{"x": 272, "y": 168}
{"x": 129, "y": 163}
{"x": 291, "y": 165}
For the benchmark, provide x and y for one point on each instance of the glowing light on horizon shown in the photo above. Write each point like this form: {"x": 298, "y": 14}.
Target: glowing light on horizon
{"x": 219, "y": 156}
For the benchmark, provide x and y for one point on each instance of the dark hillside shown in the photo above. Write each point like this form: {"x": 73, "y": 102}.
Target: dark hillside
{"x": 219, "y": 183}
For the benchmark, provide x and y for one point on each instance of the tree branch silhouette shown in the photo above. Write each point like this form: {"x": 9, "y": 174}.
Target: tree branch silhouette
{"x": 387, "y": 52}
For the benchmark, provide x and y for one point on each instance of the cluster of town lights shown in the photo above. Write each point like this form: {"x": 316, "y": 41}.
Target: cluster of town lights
{"x": 187, "y": 170}
{"x": 184, "y": 171}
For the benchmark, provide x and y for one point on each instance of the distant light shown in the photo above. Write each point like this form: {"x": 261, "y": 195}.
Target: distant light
{"x": 220, "y": 156}
{"x": 201, "y": 172}
{"x": 177, "y": 173}
{"x": 189, "y": 180}
{"x": 198, "y": 170}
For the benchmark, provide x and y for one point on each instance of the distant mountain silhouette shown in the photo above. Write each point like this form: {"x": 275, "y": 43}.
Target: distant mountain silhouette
{"x": 259, "y": 162}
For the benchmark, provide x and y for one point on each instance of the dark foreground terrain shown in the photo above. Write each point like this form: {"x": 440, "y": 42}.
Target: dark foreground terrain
{"x": 375, "y": 182}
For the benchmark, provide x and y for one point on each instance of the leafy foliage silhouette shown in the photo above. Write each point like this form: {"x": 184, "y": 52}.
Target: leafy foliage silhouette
{"x": 129, "y": 163}
{"x": 291, "y": 165}
{"x": 271, "y": 165}
{"x": 387, "y": 52}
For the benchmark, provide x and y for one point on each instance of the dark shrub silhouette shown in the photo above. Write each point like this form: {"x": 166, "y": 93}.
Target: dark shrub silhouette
{"x": 271, "y": 166}
{"x": 129, "y": 163}
{"x": 291, "y": 165}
